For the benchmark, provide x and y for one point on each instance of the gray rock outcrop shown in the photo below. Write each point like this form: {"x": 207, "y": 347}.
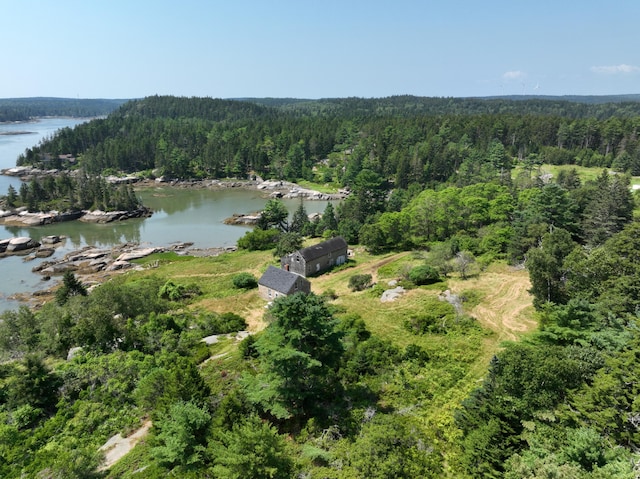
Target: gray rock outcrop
{"x": 21, "y": 243}
{"x": 392, "y": 294}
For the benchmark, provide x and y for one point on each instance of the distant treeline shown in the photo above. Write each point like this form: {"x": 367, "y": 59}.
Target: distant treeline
{"x": 23, "y": 109}
{"x": 68, "y": 193}
{"x": 403, "y": 139}
{"x": 575, "y": 107}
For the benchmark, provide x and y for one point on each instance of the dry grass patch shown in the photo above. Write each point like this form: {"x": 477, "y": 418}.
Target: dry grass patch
{"x": 249, "y": 305}
{"x": 506, "y": 305}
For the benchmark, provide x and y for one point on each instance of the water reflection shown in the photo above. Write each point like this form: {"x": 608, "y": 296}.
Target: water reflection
{"x": 81, "y": 234}
{"x": 180, "y": 215}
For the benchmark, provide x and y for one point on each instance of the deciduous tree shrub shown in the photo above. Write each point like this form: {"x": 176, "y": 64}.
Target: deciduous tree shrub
{"x": 245, "y": 281}
{"x": 435, "y": 319}
{"x": 360, "y": 282}
{"x": 259, "y": 240}
{"x": 424, "y": 274}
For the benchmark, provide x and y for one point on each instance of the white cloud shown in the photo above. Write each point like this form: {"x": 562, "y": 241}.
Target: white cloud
{"x": 615, "y": 69}
{"x": 514, "y": 75}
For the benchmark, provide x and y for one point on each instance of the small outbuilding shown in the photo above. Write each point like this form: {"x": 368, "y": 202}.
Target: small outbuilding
{"x": 316, "y": 259}
{"x": 277, "y": 282}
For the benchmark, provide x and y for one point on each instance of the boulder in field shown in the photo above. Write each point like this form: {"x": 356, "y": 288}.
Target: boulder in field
{"x": 392, "y": 294}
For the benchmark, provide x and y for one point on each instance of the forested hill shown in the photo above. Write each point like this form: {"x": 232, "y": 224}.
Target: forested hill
{"x": 406, "y": 140}
{"x": 600, "y": 107}
{"x": 23, "y": 109}
{"x": 206, "y": 109}
{"x": 340, "y": 385}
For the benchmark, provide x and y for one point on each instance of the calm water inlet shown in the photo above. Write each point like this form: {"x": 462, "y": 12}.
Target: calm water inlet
{"x": 180, "y": 215}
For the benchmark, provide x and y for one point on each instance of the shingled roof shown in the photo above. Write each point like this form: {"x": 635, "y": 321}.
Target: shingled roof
{"x": 279, "y": 280}
{"x": 316, "y": 251}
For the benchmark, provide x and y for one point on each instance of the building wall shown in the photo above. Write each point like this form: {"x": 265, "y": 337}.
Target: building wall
{"x": 294, "y": 263}
{"x": 268, "y": 293}
{"x": 303, "y": 285}
{"x": 326, "y": 262}
{"x": 297, "y": 264}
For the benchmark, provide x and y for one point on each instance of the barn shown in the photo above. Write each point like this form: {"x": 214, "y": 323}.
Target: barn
{"x": 316, "y": 259}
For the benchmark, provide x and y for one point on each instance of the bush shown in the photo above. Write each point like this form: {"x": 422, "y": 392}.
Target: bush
{"x": 259, "y": 239}
{"x": 416, "y": 353}
{"x": 360, "y": 282}
{"x": 213, "y": 323}
{"x": 176, "y": 292}
{"x": 424, "y": 274}
{"x": 245, "y": 281}
{"x": 231, "y": 322}
{"x": 330, "y": 294}
{"x": 372, "y": 356}
{"x": 247, "y": 347}
{"x": 434, "y": 319}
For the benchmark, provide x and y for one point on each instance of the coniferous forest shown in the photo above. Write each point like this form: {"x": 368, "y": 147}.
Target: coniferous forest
{"x": 335, "y": 385}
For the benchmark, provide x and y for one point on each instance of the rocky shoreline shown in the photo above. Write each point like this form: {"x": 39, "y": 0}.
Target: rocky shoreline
{"x": 275, "y": 188}
{"x": 271, "y": 188}
{"x": 95, "y": 266}
{"x": 21, "y": 217}
{"x": 91, "y": 265}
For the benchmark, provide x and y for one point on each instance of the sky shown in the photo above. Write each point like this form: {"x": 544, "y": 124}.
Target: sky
{"x": 318, "y": 48}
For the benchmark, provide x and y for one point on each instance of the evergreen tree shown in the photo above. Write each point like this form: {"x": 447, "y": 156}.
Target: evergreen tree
{"x": 288, "y": 243}
{"x": 274, "y": 215}
{"x": 609, "y": 209}
{"x": 300, "y": 220}
{"x": 328, "y": 223}
{"x": 299, "y": 354}
{"x": 12, "y": 196}
{"x": 182, "y": 436}
{"x": 251, "y": 449}
{"x": 71, "y": 286}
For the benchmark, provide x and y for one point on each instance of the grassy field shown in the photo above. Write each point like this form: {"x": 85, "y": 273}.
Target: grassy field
{"x": 458, "y": 359}
{"x": 585, "y": 173}
{"x": 503, "y": 309}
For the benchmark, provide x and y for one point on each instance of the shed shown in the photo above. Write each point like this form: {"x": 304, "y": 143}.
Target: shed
{"x": 316, "y": 259}
{"x": 279, "y": 282}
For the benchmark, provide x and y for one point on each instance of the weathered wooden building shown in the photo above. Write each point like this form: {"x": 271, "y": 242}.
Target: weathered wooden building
{"x": 277, "y": 282}
{"x": 317, "y": 258}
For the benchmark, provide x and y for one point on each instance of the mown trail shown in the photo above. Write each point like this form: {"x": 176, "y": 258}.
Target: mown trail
{"x": 506, "y": 306}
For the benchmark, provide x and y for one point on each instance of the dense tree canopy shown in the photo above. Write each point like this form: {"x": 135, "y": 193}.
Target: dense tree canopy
{"x": 316, "y": 393}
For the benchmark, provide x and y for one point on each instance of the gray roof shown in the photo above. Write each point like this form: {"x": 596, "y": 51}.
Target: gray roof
{"x": 316, "y": 251}
{"x": 279, "y": 280}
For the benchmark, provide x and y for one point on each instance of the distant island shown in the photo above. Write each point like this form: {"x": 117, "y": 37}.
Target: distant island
{"x": 25, "y": 109}
{"x": 12, "y": 133}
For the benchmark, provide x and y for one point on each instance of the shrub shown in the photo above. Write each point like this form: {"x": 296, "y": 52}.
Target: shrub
{"x": 330, "y": 294}
{"x": 259, "y": 239}
{"x": 171, "y": 291}
{"x": 245, "y": 281}
{"x": 176, "y": 292}
{"x": 231, "y": 322}
{"x": 360, "y": 282}
{"x": 424, "y": 274}
{"x": 213, "y": 323}
{"x": 247, "y": 347}
{"x": 416, "y": 353}
{"x": 372, "y": 356}
{"x": 434, "y": 319}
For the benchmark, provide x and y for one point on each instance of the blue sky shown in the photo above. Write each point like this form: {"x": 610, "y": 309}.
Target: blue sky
{"x": 318, "y": 49}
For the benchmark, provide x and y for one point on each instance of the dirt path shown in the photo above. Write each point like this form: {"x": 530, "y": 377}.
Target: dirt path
{"x": 506, "y": 303}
